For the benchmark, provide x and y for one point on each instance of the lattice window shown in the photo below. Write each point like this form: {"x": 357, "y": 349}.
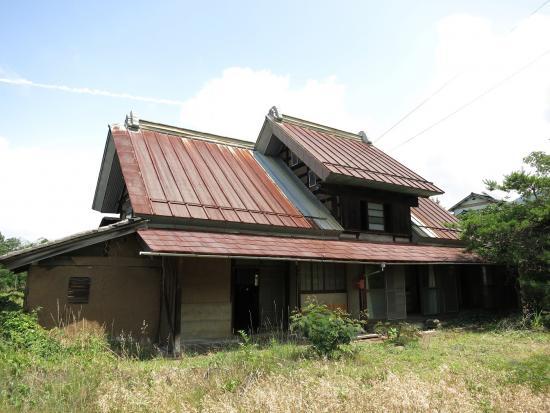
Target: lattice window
{"x": 78, "y": 291}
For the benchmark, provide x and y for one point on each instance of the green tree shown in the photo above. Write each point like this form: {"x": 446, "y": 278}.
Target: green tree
{"x": 10, "y": 281}
{"x": 517, "y": 233}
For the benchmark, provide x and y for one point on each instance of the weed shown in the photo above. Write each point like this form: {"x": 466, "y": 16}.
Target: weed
{"x": 399, "y": 334}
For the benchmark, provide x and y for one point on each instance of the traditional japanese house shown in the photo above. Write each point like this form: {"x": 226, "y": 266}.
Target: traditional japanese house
{"x": 213, "y": 235}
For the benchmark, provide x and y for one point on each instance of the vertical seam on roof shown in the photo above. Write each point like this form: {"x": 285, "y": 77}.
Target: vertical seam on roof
{"x": 386, "y": 159}
{"x": 295, "y": 136}
{"x": 337, "y": 152}
{"x": 323, "y": 143}
{"x": 170, "y": 140}
{"x": 197, "y": 176}
{"x": 235, "y": 183}
{"x": 264, "y": 206}
{"x": 156, "y": 173}
{"x": 130, "y": 135}
{"x": 204, "y": 176}
{"x": 315, "y": 150}
{"x": 313, "y": 145}
{"x": 261, "y": 188}
{"x": 156, "y": 136}
{"x": 209, "y": 149}
{"x": 138, "y": 168}
{"x": 219, "y": 176}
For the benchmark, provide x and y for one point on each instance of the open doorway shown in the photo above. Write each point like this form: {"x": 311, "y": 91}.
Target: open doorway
{"x": 246, "y": 300}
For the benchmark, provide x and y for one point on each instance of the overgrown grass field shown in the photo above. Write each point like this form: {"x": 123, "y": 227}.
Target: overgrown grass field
{"x": 450, "y": 370}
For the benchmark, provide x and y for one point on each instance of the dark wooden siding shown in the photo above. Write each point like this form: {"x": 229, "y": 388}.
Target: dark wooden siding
{"x": 348, "y": 203}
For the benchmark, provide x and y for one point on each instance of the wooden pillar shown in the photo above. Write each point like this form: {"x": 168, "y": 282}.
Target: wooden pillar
{"x": 170, "y": 314}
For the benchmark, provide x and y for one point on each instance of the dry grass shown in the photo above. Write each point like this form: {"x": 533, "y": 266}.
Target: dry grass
{"x": 448, "y": 371}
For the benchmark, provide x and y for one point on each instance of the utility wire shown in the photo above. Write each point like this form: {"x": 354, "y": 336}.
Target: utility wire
{"x": 481, "y": 95}
{"x": 448, "y": 82}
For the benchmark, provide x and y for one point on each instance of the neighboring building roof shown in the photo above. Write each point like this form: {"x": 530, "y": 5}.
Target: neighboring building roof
{"x": 473, "y": 201}
{"x": 173, "y": 172}
{"x": 18, "y": 259}
{"x": 166, "y": 242}
{"x": 431, "y": 220}
{"x": 341, "y": 157}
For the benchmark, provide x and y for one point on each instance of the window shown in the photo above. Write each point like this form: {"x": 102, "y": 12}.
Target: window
{"x": 293, "y": 159}
{"x": 322, "y": 277}
{"x": 375, "y": 212}
{"x": 376, "y": 281}
{"x": 311, "y": 179}
{"x": 372, "y": 216}
{"x": 79, "y": 290}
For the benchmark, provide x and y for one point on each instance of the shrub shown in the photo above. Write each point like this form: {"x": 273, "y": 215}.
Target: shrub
{"x": 20, "y": 330}
{"x": 400, "y": 334}
{"x": 324, "y": 328}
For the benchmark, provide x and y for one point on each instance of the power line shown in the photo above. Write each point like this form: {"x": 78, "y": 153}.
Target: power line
{"x": 419, "y": 106}
{"x": 448, "y": 82}
{"x": 481, "y": 95}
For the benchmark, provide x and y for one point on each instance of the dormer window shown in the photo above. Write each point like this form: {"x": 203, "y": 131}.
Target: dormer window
{"x": 312, "y": 179}
{"x": 293, "y": 159}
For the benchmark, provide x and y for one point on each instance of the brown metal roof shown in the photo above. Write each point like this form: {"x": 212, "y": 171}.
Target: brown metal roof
{"x": 243, "y": 245}
{"x": 177, "y": 176}
{"x": 435, "y": 218}
{"x": 344, "y": 154}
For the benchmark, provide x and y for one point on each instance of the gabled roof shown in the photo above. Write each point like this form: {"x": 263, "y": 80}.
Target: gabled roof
{"x": 178, "y": 173}
{"x": 485, "y": 198}
{"x": 18, "y": 259}
{"x": 340, "y": 157}
{"x": 432, "y": 221}
{"x": 167, "y": 242}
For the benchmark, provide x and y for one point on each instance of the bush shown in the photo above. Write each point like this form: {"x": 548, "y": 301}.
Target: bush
{"x": 324, "y": 328}
{"x": 20, "y": 331}
{"x": 400, "y": 334}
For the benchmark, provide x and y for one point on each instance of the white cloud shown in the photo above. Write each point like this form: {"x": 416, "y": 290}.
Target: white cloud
{"x": 45, "y": 195}
{"x": 490, "y": 137}
{"x": 235, "y": 103}
{"x": 44, "y": 191}
{"x": 486, "y": 140}
{"x": 19, "y": 81}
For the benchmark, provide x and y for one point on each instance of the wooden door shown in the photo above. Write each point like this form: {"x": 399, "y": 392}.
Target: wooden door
{"x": 396, "y": 301}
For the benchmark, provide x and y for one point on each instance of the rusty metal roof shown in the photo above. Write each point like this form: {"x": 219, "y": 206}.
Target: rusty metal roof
{"x": 335, "y": 155}
{"x": 433, "y": 220}
{"x": 196, "y": 176}
{"x": 263, "y": 246}
{"x": 19, "y": 259}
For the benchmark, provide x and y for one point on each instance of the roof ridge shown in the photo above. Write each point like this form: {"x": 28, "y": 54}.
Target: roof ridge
{"x": 317, "y": 126}
{"x": 193, "y": 134}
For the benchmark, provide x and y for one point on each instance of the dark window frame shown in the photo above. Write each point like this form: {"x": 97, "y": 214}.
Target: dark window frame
{"x": 337, "y": 271}
{"x": 78, "y": 290}
{"x": 366, "y": 217}
{"x": 293, "y": 159}
{"x": 311, "y": 176}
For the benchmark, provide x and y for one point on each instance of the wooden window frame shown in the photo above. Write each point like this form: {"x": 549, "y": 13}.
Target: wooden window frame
{"x": 311, "y": 290}
{"x": 365, "y": 216}
{"x": 293, "y": 159}
{"x": 311, "y": 174}
{"x": 78, "y": 290}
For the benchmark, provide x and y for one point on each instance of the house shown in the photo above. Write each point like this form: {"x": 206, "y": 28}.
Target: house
{"x": 472, "y": 202}
{"x": 215, "y": 235}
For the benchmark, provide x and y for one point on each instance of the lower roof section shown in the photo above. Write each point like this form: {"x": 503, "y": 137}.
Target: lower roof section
{"x": 180, "y": 242}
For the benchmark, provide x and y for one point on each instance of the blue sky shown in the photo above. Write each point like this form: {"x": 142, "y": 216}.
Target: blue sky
{"x": 356, "y": 65}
